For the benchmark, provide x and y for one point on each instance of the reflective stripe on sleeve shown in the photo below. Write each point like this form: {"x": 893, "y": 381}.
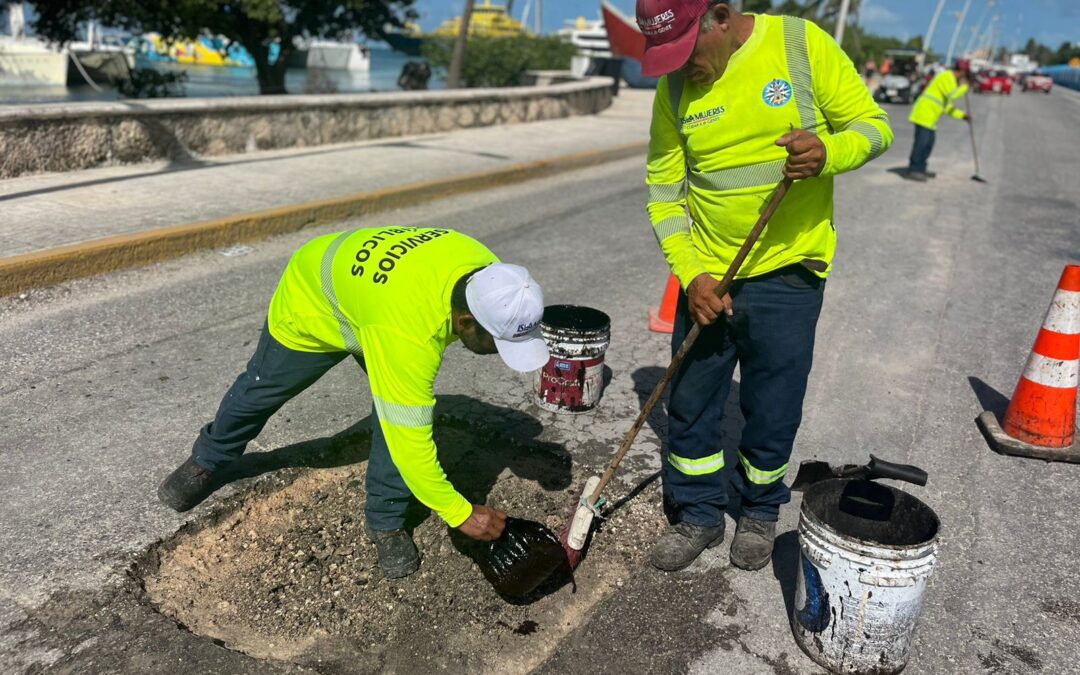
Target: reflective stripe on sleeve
{"x": 326, "y": 274}
{"x": 402, "y": 415}
{"x": 759, "y": 477}
{"x": 802, "y": 78}
{"x": 669, "y": 227}
{"x": 667, "y": 193}
{"x": 697, "y": 467}
{"x": 754, "y": 175}
{"x": 675, "y": 89}
{"x": 872, "y": 134}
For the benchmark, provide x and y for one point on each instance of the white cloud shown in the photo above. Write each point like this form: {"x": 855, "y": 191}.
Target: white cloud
{"x": 876, "y": 18}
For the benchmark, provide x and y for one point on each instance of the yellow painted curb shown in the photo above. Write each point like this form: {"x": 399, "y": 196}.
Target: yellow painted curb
{"x": 64, "y": 263}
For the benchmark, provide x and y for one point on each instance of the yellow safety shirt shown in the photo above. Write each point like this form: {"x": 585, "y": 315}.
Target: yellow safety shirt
{"x": 937, "y": 100}
{"x": 719, "y": 161}
{"x": 384, "y": 293}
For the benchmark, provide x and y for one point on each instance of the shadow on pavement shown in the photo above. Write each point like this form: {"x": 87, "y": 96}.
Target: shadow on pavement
{"x": 989, "y": 398}
{"x": 473, "y": 466}
{"x": 785, "y": 565}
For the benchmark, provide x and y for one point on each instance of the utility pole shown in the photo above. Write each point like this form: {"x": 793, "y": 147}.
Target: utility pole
{"x": 539, "y": 17}
{"x": 841, "y": 22}
{"x": 977, "y": 29}
{"x": 931, "y": 29}
{"x": 453, "y": 79}
{"x": 956, "y": 33}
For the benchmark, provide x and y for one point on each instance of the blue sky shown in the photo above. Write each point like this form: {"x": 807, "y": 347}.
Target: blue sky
{"x": 1049, "y": 21}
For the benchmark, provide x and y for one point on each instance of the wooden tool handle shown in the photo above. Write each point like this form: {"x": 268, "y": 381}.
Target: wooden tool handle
{"x": 692, "y": 336}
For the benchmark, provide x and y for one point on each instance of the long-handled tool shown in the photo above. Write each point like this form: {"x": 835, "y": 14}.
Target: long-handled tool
{"x": 576, "y": 532}
{"x": 974, "y": 147}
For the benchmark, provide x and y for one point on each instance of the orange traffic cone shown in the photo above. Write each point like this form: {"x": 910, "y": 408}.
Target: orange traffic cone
{"x": 1041, "y": 418}
{"x": 663, "y": 320}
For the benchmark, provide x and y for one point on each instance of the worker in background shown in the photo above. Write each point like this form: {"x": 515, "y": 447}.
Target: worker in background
{"x": 394, "y": 298}
{"x": 936, "y": 100}
{"x": 745, "y": 101}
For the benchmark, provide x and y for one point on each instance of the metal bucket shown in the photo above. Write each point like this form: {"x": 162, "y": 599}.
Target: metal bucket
{"x": 866, "y": 553}
{"x": 573, "y": 379}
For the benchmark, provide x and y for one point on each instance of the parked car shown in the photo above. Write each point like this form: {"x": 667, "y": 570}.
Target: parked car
{"x": 901, "y": 83}
{"x": 896, "y": 89}
{"x": 1036, "y": 82}
{"x": 993, "y": 82}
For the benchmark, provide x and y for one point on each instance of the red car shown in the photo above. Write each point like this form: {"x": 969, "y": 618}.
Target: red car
{"x": 1038, "y": 83}
{"x": 993, "y": 81}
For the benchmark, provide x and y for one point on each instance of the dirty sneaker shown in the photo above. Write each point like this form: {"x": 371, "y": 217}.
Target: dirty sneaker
{"x": 752, "y": 545}
{"x": 398, "y": 556}
{"x": 187, "y": 486}
{"x": 683, "y": 543}
{"x": 917, "y": 176}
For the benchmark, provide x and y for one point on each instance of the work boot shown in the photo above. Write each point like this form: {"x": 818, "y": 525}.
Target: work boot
{"x": 917, "y": 176}
{"x": 398, "y": 556}
{"x": 930, "y": 174}
{"x": 187, "y": 486}
{"x": 683, "y": 543}
{"x": 752, "y": 545}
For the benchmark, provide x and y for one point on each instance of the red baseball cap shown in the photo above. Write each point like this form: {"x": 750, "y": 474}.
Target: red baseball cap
{"x": 671, "y": 29}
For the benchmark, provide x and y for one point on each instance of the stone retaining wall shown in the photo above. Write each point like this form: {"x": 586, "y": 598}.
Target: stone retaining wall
{"x": 73, "y": 136}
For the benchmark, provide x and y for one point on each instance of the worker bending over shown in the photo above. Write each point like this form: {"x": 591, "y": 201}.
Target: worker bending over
{"x": 394, "y": 298}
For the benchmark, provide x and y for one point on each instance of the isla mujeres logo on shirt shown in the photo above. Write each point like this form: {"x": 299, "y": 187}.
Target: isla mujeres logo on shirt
{"x": 777, "y": 93}
{"x": 699, "y": 119}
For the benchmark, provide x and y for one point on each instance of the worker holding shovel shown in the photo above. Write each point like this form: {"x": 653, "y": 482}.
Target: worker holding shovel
{"x": 947, "y": 87}
{"x": 394, "y": 298}
{"x": 747, "y": 102}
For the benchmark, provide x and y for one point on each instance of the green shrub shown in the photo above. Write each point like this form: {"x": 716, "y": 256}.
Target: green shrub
{"x": 500, "y": 62}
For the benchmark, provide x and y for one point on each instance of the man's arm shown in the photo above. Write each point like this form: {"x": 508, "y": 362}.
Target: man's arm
{"x": 955, "y": 95}
{"x": 860, "y": 128}
{"x": 666, "y": 180}
{"x": 402, "y": 375}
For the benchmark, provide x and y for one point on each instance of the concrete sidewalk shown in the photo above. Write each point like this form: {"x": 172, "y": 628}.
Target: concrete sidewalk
{"x": 47, "y": 213}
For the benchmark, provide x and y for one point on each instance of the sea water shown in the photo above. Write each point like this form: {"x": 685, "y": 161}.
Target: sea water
{"x": 213, "y": 81}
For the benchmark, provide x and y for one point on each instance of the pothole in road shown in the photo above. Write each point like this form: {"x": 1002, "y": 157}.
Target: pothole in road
{"x": 285, "y": 570}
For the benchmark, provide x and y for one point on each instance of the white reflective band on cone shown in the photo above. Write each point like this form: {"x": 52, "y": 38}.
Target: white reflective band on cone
{"x": 1052, "y": 372}
{"x": 1064, "y": 314}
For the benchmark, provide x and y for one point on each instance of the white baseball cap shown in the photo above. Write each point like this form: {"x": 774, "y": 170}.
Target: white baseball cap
{"x": 509, "y": 304}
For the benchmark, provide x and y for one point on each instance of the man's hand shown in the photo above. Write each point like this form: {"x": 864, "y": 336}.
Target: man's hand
{"x": 806, "y": 154}
{"x": 705, "y": 305}
{"x": 485, "y": 523}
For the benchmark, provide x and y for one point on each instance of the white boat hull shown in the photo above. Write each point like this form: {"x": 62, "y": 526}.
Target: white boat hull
{"x": 338, "y": 56}
{"x": 28, "y": 62}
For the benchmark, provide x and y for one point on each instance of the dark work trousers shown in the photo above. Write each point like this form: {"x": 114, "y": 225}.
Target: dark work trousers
{"x": 771, "y": 337}
{"x": 274, "y": 375}
{"x": 920, "y": 151}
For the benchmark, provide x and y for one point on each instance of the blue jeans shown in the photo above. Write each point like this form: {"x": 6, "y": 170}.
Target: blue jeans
{"x": 920, "y": 151}
{"x": 771, "y": 337}
{"x": 274, "y": 375}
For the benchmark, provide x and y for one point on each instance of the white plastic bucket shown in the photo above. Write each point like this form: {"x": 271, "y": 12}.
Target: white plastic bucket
{"x": 572, "y": 381}
{"x": 866, "y": 554}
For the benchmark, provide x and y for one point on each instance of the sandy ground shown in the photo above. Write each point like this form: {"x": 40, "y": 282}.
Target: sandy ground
{"x": 286, "y": 572}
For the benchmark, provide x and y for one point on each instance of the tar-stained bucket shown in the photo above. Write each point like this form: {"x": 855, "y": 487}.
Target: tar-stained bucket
{"x": 573, "y": 379}
{"x": 866, "y": 553}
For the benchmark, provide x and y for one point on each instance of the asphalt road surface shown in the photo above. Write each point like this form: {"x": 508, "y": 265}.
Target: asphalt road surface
{"x": 938, "y": 293}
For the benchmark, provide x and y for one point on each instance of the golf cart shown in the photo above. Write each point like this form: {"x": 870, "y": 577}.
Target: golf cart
{"x": 901, "y": 84}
